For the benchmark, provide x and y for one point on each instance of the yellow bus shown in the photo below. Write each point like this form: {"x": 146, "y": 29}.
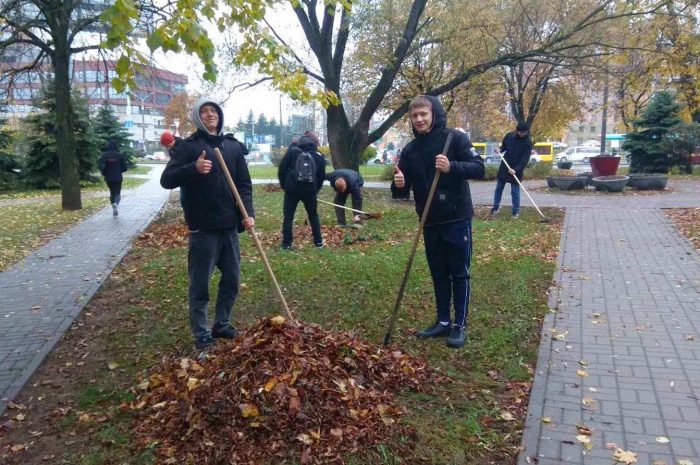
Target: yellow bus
{"x": 542, "y": 151}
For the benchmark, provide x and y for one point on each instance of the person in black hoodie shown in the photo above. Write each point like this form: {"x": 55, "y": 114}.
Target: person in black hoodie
{"x": 448, "y": 231}
{"x": 344, "y": 182}
{"x": 296, "y": 190}
{"x": 112, "y": 164}
{"x": 517, "y": 146}
{"x": 212, "y": 216}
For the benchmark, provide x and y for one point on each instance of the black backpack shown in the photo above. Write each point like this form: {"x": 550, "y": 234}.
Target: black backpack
{"x": 305, "y": 169}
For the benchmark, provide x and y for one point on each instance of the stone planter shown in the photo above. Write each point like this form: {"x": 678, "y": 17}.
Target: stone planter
{"x": 588, "y": 177}
{"x": 550, "y": 183}
{"x": 604, "y": 165}
{"x": 610, "y": 183}
{"x": 567, "y": 183}
{"x": 564, "y": 165}
{"x": 648, "y": 181}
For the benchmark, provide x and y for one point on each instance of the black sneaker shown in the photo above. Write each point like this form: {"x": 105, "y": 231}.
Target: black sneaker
{"x": 320, "y": 245}
{"x": 436, "y": 330}
{"x": 286, "y": 247}
{"x": 516, "y": 216}
{"x": 204, "y": 342}
{"x": 494, "y": 211}
{"x": 457, "y": 337}
{"x": 224, "y": 332}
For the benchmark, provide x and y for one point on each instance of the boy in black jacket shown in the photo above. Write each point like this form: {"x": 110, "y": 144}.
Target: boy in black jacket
{"x": 448, "y": 231}
{"x": 517, "y": 147}
{"x": 344, "y": 182}
{"x": 212, "y": 217}
{"x": 112, "y": 164}
{"x": 301, "y": 190}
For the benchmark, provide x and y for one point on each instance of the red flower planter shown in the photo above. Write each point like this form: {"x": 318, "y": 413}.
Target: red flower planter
{"x": 604, "y": 165}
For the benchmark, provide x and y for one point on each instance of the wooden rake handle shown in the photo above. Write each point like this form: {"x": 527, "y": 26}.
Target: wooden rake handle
{"x": 416, "y": 239}
{"x": 503, "y": 159}
{"x": 252, "y": 233}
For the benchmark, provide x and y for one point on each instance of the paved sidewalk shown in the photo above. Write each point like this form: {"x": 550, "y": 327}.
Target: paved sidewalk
{"x": 41, "y": 295}
{"x": 627, "y": 313}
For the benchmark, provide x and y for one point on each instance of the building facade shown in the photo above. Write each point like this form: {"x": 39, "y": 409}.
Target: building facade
{"x": 140, "y": 111}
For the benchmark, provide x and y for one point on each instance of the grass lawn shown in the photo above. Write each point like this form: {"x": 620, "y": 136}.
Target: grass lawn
{"x": 474, "y": 417}
{"x": 99, "y": 186}
{"x": 369, "y": 172}
{"x": 24, "y": 228}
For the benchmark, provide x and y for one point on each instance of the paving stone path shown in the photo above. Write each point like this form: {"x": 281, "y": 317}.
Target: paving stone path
{"x": 625, "y": 309}
{"x": 42, "y": 295}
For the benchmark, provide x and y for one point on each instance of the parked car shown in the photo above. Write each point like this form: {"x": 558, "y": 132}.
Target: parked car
{"x": 578, "y": 154}
{"x": 159, "y": 156}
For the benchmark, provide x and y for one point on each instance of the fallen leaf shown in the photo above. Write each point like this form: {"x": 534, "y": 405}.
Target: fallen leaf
{"x": 249, "y": 410}
{"x": 277, "y": 320}
{"x": 690, "y": 337}
{"x": 507, "y": 416}
{"x": 18, "y": 447}
{"x": 583, "y": 429}
{"x": 112, "y": 365}
{"x": 663, "y": 440}
{"x": 546, "y": 420}
{"x": 19, "y": 417}
{"x": 624, "y": 456}
{"x": 193, "y": 383}
{"x": 685, "y": 462}
{"x": 582, "y": 373}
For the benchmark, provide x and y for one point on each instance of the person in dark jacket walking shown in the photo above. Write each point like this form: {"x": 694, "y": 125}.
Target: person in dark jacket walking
{"x": 112, "y": 164}
{"x": 448, "y": 228}
{"x": 213, "y": 218}
{"x": 344, "y": 182}
{"x": 517, "y": 146}
{"x": 300, "y": 183}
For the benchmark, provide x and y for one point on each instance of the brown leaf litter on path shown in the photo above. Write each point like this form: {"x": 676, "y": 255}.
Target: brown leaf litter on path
{"x": 280, "y": 392}
{"x": 687, "y": 220}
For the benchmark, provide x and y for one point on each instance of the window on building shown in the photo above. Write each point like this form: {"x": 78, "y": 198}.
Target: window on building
{"x": 162, "y": 99}
{"x": 162, "y": 84}
{"x": 580, "y": 128}
{"x": 579, "y": 141}
{"x": 178, "y": 88}
{"x": 593, "y": 128}
{"x": 24, "y": 93}
{"x": 90, "y": 76}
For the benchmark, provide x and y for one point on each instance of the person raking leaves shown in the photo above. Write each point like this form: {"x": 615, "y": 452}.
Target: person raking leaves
{"x": 212, "y": 217}
{"x": 448, "y": 229}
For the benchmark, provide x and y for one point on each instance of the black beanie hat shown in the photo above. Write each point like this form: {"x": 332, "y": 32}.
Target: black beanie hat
{"x": 522, "y": 127}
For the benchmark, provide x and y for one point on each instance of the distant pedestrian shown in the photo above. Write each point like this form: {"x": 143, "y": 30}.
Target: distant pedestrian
{"x": 517, "y": 147}
{"x": 301, "y": 174}
{"x": 346, "y": 182}
{"x": 112, "y": 164}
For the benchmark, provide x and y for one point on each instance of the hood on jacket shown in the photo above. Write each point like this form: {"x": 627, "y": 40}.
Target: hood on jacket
{"x": 112, "y": 146}
{"x": 198, "y": 121}
{"x": 307, "y": 144}
{"x": 439, "y": 116}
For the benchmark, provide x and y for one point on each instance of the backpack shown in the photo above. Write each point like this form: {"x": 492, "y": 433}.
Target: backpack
{"x": 305, "y": 169}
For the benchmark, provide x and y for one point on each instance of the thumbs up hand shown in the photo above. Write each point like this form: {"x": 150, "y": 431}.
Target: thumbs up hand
{"x": 203, "y": 165}
{"x": 399, "y": 180}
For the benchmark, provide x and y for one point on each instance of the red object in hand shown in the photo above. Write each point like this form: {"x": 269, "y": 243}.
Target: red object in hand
{"x": 166, "y": 138}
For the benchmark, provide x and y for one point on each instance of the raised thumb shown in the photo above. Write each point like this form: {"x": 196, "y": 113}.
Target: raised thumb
{"x": 397, "y": 170}
{"x": 203, "y": 155}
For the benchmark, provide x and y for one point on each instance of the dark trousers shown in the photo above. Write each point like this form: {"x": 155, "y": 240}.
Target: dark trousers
{"x": 291, "y": 199}
{"x": 115, "y": 191}
{"x": 448, "y": 248}
{"x": 340, "y": 199}
{"x": 209, "y": 249}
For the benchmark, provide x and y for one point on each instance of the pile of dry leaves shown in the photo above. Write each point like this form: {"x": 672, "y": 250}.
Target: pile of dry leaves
{"x": 164, "y": 235}
{"x": 279, "y": 393}
{"x": 332, "y": 236}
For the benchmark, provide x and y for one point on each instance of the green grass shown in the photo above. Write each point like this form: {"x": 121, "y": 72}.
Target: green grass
{"x": 140, "y": 169}
{"x": 23, "y": 228}
{"x": 98, "y": 186}
{"x": 353, "y": 287}
{"x": 369, "y": 172}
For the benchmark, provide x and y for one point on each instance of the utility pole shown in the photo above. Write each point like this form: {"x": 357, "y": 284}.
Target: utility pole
{"x": 604, "y": 123}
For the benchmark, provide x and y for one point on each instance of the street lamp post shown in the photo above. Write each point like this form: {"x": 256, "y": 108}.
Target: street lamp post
{"x": 143, "y": 118}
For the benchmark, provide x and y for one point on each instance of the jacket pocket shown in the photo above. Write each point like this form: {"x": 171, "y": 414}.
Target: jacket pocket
{"x": 444, "y": 205}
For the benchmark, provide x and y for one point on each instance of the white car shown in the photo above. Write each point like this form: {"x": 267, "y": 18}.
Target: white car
{"x": 578, "y": 154}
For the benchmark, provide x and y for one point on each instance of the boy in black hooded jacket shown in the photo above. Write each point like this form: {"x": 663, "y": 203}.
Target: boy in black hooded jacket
{"x": 212, "y": 216}
{"x": 112, "y": 164}
{"x": 447, "y": 233}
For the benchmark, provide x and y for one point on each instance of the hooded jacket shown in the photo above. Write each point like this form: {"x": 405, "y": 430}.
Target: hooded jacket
{"x": 209, "y": 203}
{"x": 285, "y": 171}
{"x": 517, "y": 154}
{"x": 452, "y": 200}
{"x": 353, "y": 180}
{"x": 112, "y": 163}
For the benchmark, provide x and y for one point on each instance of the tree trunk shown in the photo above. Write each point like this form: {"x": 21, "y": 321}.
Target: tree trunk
{"x": 340, "y": 138}
{"x": 65, "y": 145}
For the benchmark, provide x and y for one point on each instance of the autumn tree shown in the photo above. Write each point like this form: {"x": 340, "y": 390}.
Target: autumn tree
{"x": 179, "y": 113}
{"x": 53, "y": 31}
{"x": 421, "y": 44}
